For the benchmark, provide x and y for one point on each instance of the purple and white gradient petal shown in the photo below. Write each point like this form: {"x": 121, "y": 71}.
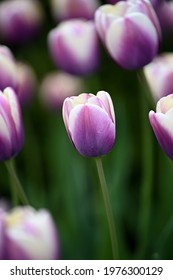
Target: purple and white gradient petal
{"x": 30, "y": 234}
{"x": 162, "y": 68}
{"x": 130, "y": 31}
{"x": 11, "y": 128}
{"x": 68, "y": 9}
{"x": 127, "y": 39}
{"x": 162, "y": 124}
{"x": 74, "y": 46}
{"x": 90, "y": 123}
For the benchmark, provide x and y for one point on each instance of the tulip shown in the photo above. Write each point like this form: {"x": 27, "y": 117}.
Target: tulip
{"x": 130, "y": 31}
{"x": 20, "y": 20}
{"x": 57, "y": 86}
{"x": 165, "y": 16}
{"x": 162, "y": 124}
{"x": 26, "y": 83}
{"x": 28, "y": 234}
{"x": 73, "y": 46}
{"x": 7, "y": 69}
{"x": 11, "y": 128}
{"x": 90, "y": 123}
{"x": 159, "y": 75}
{"x": 68, "y": 9}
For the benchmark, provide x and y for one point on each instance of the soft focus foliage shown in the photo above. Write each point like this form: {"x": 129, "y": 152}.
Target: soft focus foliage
{"x": 57, "y": 178}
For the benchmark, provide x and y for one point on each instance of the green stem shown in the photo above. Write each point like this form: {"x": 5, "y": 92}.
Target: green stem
{"x": 108, "y": 208}
{"x": 147, "y": 174}
{"x": 15, "y": 183}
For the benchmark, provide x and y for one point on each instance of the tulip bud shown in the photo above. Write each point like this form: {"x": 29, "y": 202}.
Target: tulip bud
{"x": 7, "y": 69}
{"x": 20, "y": 20}
{"x": 26, "y": 83}
{"x": 73, "y": 46}
{"x": 68, "y": 9}
{"x": 159, "y": 75}
{"x": 11, "y": 127}
{"x": 57, "y": 86}
{"x": 130, "y": 31}
{"x": 28, "y": 234}
{"x": 90, "y": 123}
{"x": 162, "y": 124}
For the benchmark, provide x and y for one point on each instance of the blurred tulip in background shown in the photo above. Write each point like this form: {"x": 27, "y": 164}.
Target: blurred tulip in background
{"x": 165, "y": 16}
{"x": 56, "y": 86}
{"x": 11, "y": 127}
{"x": 20, "y": 20}
{"x": 90, "y": 123}
{"x": 68, "y": 9}
{"x": 74, "y": 46}
{"x": 8, "y": 75}
{"x": 159, "y": 75}
{"x": 27, "y": 233}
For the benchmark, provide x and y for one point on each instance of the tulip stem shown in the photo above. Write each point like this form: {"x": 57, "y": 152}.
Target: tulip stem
{"x": 15, "y": 183}
{"x": 108, "y": 208}
{"x": 147, "y": 177}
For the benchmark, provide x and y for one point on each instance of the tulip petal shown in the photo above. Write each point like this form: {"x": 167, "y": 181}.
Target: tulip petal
{"x": 92, "y": 130}
{"x": 132, "y": 41}
{"x": 34, "y": 237}
{"x": 105, "y": 97}
{"x": 163, "y": 129}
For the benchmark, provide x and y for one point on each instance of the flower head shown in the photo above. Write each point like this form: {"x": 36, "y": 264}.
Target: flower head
{"x": 74, "y": 47}
{"x": 68, "y": 9}
{"x": 20, "y": 20}
{"x": 90, "y": 123}
{"x": 28, "y": 234}
{"x": 130, "y": 31}
{"x": 11, "y": 127}
{"x": 57, "y": 86}
{"x": 162, "y": 68}
{"x": 162, "y": 124}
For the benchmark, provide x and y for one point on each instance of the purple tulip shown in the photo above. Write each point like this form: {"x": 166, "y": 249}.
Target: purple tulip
{"x": 162, "y": 124}
{"x": 57, "y": 86}
{"x": 11, "y": 127}
{"x": 68, "y": 9}
{"x": 28, "y": 234}
{"x": 20, "y": 20}
{"x": 26, "y": 83}
{"x": 130, "y": 31}
{"x": 74, "y": 46}
{"x": 90, "y": 123}
{"x": 165, "y": 16}
{"x": 8, "y": 76}
{"x": 159, "y": 75}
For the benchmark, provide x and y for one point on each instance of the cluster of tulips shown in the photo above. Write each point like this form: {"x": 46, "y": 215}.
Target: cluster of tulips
{"x": 130, "y": 32}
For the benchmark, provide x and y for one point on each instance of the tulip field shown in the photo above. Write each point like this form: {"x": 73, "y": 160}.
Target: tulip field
{"x": 86, "y": 129}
